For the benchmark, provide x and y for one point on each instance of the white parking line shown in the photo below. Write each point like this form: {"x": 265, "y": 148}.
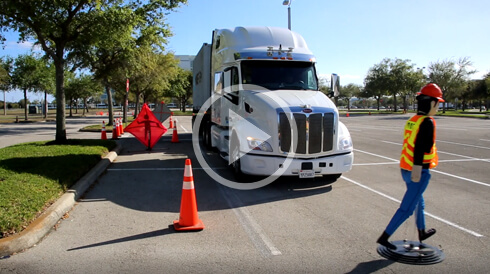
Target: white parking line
{"x": 426, "y": 213}
{"x": 433, "y": 170}
{"x": 162, "y": 169}
{"x": 183, "y": 128}
{"x": 448, "y": 153}
{"x": 375, "y": 127}
{"x": 460, "y": 144}
{"x": 253, "y": 229}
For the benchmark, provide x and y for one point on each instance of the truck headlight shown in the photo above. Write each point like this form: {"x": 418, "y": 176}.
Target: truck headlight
{"x": 345, "y": 143}
{"x": 257, "y": 144}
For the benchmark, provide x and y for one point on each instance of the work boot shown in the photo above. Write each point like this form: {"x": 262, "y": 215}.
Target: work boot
{"x": 426, "y": 234}
{"x": 383, "y": 240}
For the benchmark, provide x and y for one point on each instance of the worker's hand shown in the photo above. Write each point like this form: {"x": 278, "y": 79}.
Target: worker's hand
{"x": 416, "y": 173}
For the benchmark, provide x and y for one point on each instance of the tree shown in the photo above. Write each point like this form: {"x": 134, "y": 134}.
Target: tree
{"x": 25, "y": 76}
{"x": 151, "y": 76}
{"x": 376, "y": 82}
{"x": 480, "y": 91}
{"x": 82, "y": 87}
{"x": 415, "y": 79}
{"x": 129, "y": 31}
{"x": 349, "y": 91}
{"x": 395, "y": 77}
{"x": 402, "y": 77}
{"x": 181, "y": 87}
{"x": 6, "y": 67}
{"x": 451, "y": 77}
{"x": 46, "y": 81}
{"x": 61, "y": 26}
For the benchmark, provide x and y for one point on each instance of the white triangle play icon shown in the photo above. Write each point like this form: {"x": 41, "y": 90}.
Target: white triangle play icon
{"x": 244, "y": 130}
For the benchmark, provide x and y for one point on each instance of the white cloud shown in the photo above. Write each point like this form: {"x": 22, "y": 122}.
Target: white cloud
{"x": 24, "y": 45}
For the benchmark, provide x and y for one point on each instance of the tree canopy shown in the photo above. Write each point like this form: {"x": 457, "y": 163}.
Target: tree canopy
{"x": 61, "y": 27}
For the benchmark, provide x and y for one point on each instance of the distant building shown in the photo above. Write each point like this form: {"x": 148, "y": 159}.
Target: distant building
{"x": 186, "y": 61}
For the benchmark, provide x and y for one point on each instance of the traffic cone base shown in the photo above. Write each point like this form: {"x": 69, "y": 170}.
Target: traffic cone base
{"x": 198, "y": 226}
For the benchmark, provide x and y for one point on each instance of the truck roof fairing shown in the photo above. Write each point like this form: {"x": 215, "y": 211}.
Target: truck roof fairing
{"x": 260, "y": 43}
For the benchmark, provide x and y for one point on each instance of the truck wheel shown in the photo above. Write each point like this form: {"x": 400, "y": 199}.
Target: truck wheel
{"x": 235, "y": 156}
{"x": 206, "y": 135}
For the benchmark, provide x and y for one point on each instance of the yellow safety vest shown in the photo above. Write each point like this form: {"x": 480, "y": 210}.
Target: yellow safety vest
{"x": 411, "y": 130}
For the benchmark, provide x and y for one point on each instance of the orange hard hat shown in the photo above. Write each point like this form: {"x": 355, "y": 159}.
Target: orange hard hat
{"x": 432, "y": 90}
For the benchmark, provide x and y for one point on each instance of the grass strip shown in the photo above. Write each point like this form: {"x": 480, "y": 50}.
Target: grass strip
{"x": 34, "y": 175}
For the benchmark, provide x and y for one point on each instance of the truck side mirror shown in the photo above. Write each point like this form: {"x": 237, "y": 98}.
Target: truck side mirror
{"x": 335, "y": 85}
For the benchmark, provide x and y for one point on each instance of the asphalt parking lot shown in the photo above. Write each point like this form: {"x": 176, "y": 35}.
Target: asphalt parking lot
{"x": 123, "y": 223}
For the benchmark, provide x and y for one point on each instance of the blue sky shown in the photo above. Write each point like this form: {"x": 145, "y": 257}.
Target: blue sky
{"x": 347, "y": 36}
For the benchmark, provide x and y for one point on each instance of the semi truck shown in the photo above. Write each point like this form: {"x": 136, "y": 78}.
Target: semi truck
{"x": 259, "y": 105}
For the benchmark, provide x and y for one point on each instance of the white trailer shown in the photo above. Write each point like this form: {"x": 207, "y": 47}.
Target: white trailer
{"x": 266, "y": 115}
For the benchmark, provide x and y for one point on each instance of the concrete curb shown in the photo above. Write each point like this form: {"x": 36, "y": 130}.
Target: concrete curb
{"x": 40, "y": 227}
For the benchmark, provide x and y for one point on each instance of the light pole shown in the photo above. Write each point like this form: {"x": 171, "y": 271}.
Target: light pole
{"x": 288, "y": 3}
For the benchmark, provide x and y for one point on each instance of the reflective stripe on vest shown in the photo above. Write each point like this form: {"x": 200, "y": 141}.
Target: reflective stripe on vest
{"x": 411, "y": 129}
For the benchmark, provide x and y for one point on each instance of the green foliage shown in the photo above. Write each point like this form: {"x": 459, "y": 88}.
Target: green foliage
{"x": 63, "y": 28}
{"x": 6, "y": 67}
{"x": 451, "y": 76}
{"x": 181, "y": 87}
{"x": 349, "y": 91}
{"x": 394, "y": 77}
{"x": 83, "y": 87}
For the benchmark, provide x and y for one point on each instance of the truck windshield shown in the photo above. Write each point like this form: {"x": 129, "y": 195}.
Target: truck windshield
{"x": 279, "y": 74}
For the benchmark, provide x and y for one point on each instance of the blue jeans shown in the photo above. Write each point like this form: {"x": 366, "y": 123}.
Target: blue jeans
{"x": 411, "y": 200}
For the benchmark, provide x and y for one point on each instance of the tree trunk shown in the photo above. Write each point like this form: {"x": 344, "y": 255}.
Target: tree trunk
{"x": 60, "y": 98}
{"x": 45, "y": 107}
{"x": 137, "y": 104}
{"x": 71, "y": 107}
{"x": 395, "y": 107}
{"x": 125, "y": 108}
{"x": 25, "y": 103}
{"x": 109, "y": 102}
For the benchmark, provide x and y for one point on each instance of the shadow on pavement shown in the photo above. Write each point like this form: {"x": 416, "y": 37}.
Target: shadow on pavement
{"x": 371, "y": 266}
{"x": 152, "y": 182}
{"x": 151, "y": 234}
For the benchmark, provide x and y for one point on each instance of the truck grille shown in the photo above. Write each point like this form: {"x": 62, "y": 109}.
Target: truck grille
{"x": 315, "y": 132}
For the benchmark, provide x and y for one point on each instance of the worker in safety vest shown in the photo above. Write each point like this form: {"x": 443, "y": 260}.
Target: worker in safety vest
{"x": 419, "y": 155}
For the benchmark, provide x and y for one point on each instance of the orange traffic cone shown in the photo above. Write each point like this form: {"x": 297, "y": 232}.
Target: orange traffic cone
{"x": 188, "y": 220}
{"x": 114, "y": 131}
{"x": 103, "y": 133}
{"x": 122, "y": 126}
{"x": 175, "y": 136}
{"x": 171, "y": 122}
{"x": 347, "y": 114}
{"x": 119, "y": 127}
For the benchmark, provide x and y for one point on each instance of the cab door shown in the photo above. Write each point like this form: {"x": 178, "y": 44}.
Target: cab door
{"x": 230, "y": 99}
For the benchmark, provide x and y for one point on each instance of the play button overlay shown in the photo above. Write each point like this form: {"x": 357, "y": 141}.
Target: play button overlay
{"x": 256, "y": 138}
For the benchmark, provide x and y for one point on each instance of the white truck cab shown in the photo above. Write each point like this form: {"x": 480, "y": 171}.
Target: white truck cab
{"x": 268, "y": 116}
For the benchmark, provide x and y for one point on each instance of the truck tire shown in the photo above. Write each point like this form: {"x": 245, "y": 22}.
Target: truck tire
{"x": 235, "y": 156}
{"x": 206, "y": 135}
